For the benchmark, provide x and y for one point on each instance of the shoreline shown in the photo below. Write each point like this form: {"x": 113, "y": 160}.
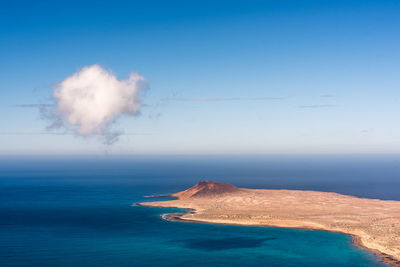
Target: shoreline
{"x": 373, "y": 224}
{"x": 355, "y": 240}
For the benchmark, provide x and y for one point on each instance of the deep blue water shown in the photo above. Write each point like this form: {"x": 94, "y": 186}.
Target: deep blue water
{"x": 78, "y": 211}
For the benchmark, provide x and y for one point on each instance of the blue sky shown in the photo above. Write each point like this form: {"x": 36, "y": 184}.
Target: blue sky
{"x": 225, "y": 77}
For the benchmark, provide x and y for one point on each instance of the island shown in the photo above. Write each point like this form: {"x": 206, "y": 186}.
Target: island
{"x": 374, "y": 224}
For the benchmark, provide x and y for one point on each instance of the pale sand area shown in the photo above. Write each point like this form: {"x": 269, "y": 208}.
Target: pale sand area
{"x": 375, "y": 223}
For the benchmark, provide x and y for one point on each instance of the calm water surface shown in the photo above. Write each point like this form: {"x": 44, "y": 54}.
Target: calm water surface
{"x": 77, "y": 211}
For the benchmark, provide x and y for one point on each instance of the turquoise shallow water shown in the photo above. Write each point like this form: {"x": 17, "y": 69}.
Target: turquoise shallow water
{"x": 58, "y": 212}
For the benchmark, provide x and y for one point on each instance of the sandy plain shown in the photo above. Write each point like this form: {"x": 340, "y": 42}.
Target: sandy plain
{"x": 374, "y": 224}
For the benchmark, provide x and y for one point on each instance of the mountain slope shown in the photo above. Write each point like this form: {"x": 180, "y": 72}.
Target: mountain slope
{"x": 206, "y": 189}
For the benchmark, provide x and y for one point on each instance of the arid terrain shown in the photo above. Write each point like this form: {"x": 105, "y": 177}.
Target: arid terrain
{"x": 375, "y": 224}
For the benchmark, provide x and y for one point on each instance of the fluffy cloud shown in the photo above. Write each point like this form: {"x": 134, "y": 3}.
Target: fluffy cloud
{"x": 92, "y": 99}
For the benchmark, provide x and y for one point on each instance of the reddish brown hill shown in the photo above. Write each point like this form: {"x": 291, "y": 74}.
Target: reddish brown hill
{"x": 206, "y": 189}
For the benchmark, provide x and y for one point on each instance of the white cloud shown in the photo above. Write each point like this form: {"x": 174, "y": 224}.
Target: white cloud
{"x": 90, "y": 100}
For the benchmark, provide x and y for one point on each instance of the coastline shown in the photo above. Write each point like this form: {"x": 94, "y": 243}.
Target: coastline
{"x": 373, "y": 224}
{"x": 356, "y": 240}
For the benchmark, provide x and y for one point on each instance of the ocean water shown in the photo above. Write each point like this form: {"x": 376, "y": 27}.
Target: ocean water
{"x": 77, "y": 211}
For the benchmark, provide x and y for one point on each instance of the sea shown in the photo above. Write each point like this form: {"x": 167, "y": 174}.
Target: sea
{"x": 77, "y": 210}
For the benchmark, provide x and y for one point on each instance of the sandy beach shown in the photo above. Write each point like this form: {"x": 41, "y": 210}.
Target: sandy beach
{"x": 374, "y": 224}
